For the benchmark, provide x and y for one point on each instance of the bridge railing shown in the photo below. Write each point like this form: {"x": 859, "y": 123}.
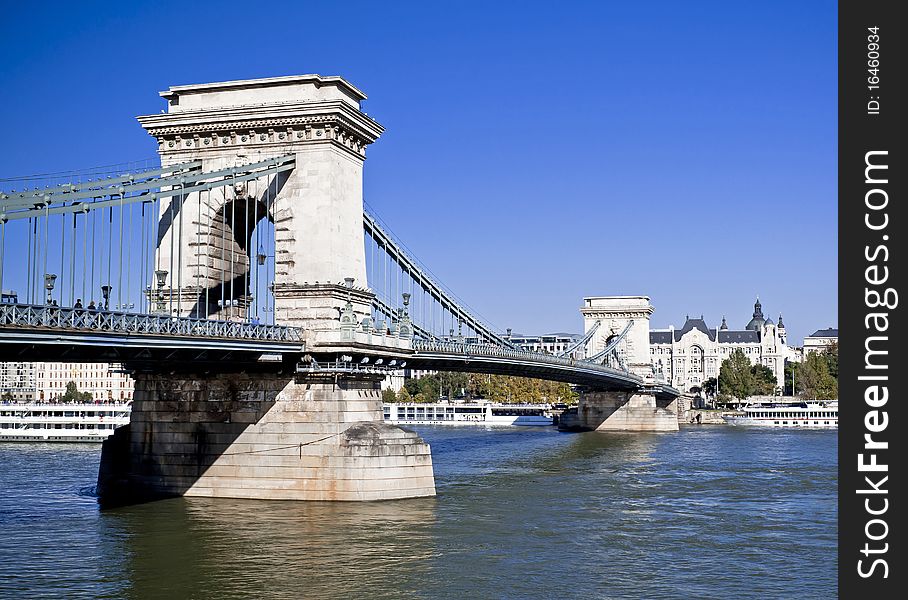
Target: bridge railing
{"x": 491, "y": 351}
{"x": 82, "y": 319}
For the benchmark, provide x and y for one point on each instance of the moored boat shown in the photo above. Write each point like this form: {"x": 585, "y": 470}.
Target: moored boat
{"x": 61, "y": 422}
{"x": 805, "y": 414}
{"x": 467, "y": 413}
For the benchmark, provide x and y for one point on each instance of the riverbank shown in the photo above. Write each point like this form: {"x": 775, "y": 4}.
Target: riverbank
{"x": 703, "y": 416}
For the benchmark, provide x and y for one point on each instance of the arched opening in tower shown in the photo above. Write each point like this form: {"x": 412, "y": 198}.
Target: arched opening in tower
{"x": 239, "y": 253}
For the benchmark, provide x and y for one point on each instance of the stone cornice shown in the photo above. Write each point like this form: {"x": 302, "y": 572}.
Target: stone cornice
{"x": 598, "y": 313}
{"x": 322, "y": 290}
{"x": 263, "y": 125}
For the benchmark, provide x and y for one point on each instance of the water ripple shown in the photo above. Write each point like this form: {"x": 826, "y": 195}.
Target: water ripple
{"x": 710, "y": 512}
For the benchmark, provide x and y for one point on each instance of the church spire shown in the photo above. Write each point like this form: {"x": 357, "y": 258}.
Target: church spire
{"x": 781, "y": 324}
{"x": 724, "y": 325}
{"x": 757, "y": 323}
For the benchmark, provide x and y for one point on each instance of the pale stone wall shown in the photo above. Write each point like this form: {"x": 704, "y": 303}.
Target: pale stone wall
{"x": 320, "y": 219}
{"x": 262, "y": 436}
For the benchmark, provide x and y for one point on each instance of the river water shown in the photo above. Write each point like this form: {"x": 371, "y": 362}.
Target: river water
{"x": 710, "y": 512}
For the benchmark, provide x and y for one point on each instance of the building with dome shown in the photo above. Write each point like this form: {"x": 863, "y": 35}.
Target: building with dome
{"x": 688, "y": 356}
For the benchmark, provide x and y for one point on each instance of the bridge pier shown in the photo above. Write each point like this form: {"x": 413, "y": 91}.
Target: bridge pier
{"x": 262, "y": 436}
{"x": 621, "y": 411}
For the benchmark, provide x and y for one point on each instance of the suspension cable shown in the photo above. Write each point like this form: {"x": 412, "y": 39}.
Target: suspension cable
{"x": 232, "y": 311}
{"x": 46, "y": 237}
{"x": 170, "y": 231}
{"x": 120, "y": 259}
{"x": 72, "y": 262}
{"x": 62, "y": 253}
{"x": 2, "y": 251}
{"x": 131, "y": 305}
{"x": 180, "y": 242}
{"x": 247, "y": 238}
{"x": 94, "y": 249}
{"x": 258, "y": 237}
{"x": 223, "y": 252}
{"x": 28, "y": 292}
{"x": 198, "y": 256}
{"x": 274, "y": 251}
{"x": 209, "y": 218}
{"x": 109, "y": 257}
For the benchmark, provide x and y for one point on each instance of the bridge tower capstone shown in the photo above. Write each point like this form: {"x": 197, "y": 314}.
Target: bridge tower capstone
{"x": 316, "y": 209}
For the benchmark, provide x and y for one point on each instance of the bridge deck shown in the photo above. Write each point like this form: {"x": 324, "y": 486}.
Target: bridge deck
{"x": 49, "y": 333}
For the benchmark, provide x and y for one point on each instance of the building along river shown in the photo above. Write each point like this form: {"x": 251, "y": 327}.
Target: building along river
{"x": 710, "y": 512}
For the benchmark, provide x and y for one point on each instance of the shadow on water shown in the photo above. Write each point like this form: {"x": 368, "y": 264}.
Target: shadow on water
{"x": 206, "y": 548}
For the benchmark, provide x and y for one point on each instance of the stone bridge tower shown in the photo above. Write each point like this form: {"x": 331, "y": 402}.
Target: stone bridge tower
{"x": 269, "y": 431}
{"x": 614, "y": 313}
{"x": 642, "y": 410}
{"x": 316, "y": 209}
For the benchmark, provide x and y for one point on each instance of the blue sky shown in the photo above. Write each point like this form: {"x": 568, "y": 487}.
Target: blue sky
{"x": 534, "y": 153}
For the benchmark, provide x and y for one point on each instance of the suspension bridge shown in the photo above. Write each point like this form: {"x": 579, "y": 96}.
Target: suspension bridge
{"x": 259, "y": 304}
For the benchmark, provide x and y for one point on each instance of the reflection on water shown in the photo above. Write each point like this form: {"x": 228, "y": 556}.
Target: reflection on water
{"x": 204, "y": 548}
{"x": 521, "y": 513}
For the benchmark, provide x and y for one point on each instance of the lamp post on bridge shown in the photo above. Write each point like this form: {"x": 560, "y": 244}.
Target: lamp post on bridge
{"x": 105, "y": 293}
{"x": 161, "y": 279}
{"x": 49, "y": 279}
{"x": 406, "y": 325}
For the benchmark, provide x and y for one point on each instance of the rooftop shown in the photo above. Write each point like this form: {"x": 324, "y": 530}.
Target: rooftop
{"x": 269, "y": 90}
{"x": 825, "y": 333}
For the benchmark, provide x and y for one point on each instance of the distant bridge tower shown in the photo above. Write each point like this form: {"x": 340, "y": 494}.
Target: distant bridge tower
{"x": 205, "y": 243}
{"x": 615, "y": 313}
{"x": 640, "y": 410}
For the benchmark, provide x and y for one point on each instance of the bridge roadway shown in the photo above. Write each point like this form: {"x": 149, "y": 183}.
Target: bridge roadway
{"x": 57, "y": 334}
{"x": 486, "y": 358}
{"x": 184, "y": 344}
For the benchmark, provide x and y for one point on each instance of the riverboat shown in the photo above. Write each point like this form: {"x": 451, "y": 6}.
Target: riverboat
{"x": 806, "y": 414}
{"x": 61, "y": 422}
{"x": 467, "y": 413}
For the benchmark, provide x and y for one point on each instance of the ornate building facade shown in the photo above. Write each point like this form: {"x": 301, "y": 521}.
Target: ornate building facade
{"x": 39, "y": 381}
{"x": 688, "y": 356}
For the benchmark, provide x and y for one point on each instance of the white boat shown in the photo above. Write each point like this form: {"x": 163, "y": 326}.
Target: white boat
{"x": 70, "y": 422}
{"x": 466, "y": 413}
{"x": 806, "y": 414}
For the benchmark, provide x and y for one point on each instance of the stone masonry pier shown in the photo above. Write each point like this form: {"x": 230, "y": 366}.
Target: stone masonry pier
{"x": 261, "y": 436}
{"x": 621, "y": 411}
